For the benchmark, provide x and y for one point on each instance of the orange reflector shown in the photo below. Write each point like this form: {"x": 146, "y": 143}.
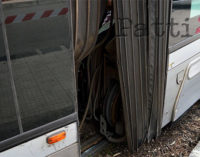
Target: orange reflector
{"x": 56, "y": 137}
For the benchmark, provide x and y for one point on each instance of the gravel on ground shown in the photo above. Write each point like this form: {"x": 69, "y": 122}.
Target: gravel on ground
{"x": 177, "y": 139}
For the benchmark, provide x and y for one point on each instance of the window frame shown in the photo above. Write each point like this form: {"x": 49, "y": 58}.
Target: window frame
{"x": 183, "y": 43}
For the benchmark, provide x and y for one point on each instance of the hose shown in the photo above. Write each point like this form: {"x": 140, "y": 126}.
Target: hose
{"x": 116, "y": 140}
{"x": 90, "y": 96}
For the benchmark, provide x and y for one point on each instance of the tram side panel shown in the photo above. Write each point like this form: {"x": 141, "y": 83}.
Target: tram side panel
{"x": 41, "y": 52}
{"x": 183, "y": 81}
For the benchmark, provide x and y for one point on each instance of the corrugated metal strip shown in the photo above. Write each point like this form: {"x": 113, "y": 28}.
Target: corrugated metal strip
{"x": 142, "y": 59}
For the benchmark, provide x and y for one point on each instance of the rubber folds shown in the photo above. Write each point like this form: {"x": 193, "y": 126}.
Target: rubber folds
{"x": 142, "y": 50}
{"x": 87, "y": 16}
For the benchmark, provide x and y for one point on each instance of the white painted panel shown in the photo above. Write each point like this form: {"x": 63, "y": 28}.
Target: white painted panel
{"x": 71, "y": 151}
{"x": 179, "y": 61}
{"x": 194, "y": 69}
{"x": 39, "y": 148}
{"x": 183, "y": 54}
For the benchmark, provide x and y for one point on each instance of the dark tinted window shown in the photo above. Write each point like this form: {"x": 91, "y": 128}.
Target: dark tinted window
{"x": 185, "y": 20}
{"x": 40, "y": 42}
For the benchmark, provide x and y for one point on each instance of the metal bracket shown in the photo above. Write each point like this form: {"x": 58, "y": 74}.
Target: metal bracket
{"x": 103, "y": 128}
{"x": 180, "y": 77}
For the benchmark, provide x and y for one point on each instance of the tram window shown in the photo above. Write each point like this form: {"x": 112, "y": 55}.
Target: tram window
{"x": 43, "y": 68}
{"x": 185, "y": 20}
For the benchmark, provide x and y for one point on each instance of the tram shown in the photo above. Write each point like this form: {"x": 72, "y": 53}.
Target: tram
{"x": 75, "y": 74}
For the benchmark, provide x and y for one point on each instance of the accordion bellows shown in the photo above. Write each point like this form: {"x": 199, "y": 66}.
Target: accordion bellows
{"x": 142, "y": 50}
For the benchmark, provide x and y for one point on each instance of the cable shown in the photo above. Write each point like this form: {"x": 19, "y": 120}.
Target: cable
{"x": 90, "y": 96}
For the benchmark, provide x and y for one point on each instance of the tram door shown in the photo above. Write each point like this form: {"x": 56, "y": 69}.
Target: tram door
{"x": 183, "y": 81}
{"x": 38, "y": 115}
